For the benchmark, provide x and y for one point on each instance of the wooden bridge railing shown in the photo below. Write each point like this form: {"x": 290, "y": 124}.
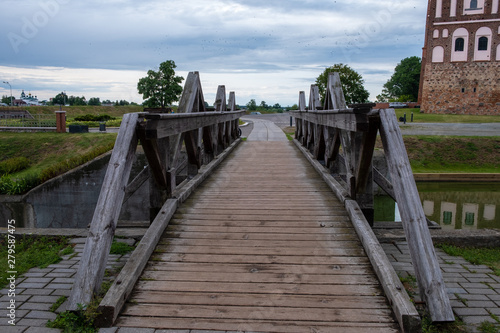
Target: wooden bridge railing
{"x": 342, "y": 140}
{"x": 176, "y": 146}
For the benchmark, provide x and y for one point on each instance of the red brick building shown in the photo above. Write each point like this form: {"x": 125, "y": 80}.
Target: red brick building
{"x": 461, "y": 58}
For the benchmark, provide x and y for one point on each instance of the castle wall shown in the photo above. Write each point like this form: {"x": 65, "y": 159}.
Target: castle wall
{"x": 462, "y": 88}
{"x": 461, "y": 58}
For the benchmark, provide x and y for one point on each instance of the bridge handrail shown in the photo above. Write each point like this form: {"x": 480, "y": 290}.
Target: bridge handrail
{"x": 176, "y": 147}
{"x": 324, "y": 132}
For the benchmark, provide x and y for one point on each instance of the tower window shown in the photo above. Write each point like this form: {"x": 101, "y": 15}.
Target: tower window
{"x": 459, "y": 44}
{"x": 482, "y": 44}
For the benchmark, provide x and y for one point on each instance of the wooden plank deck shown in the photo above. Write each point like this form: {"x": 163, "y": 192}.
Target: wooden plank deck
{"x": 262, "y": 246}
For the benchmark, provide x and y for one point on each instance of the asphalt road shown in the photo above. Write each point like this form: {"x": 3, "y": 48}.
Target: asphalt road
{"x": 484, "y": 129}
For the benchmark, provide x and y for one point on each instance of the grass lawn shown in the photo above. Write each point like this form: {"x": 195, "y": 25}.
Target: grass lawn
{"x": 442, "y": 154}
{"x": 444, "y": 118}
{"x": 49, "y": 154}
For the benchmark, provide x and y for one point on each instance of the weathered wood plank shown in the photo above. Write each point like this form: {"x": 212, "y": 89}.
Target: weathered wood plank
{"x": 427, "y": 270}
{"x": 261, "y": 288}
{"x": 406, "y": 313}
{"x": 91, "y": 269}
{"x": 311, "y": 269}
{"x": 180, "y": 123}
{"x": 122, "y": 287}
{"x": 252, "y": 324}
{"x": 278, "y": 300}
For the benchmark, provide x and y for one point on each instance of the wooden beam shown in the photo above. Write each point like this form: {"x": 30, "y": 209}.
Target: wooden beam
{"x": 384, "y": 183}
{"x": 314, "y": 99}
{"x": 163, "y": 125}
{"x": 334, "y": 97}
{"x": 366, "y": 155}
{"x": 124, "y": 283}
{"x": 422, "y": 253}
{"x": 404, "y": 310}
{"x": 220, "y": 99}
{"x": 90, "y": 272}
{"x": 136, "y": 183}
{"x": 342, "y": 119}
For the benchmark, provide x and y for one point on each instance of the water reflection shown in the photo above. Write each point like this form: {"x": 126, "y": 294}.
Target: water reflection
{"x": 452, "y": 205}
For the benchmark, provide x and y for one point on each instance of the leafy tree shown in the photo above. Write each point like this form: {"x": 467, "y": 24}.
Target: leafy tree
{"x": 75, "y": 100}
{"x": 252, "y": 105}
{"x": 94, "y": 101}
{"x": 352, "y": 84}
{"x": 277, "y": 106}
{"x": 161, "y": 88}
{"x": 264, "y": 105}
{"x": 6, "y": 99}
{"x": 122, "y": 102}
{"x": 60, "y": 99}
{"x": 405, "y": 80}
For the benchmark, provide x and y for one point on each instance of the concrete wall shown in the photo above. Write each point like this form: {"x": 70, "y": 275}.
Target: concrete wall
{"x": 68, "y": 201}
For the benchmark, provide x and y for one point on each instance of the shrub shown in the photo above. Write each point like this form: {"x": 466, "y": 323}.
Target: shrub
{"x": 13, "y": 165}
{"x": 91, "y": 117}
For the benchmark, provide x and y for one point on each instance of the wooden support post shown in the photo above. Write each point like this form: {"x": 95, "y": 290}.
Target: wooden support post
{"x": 427, "y": 270}
{"x": 90, "y": 272}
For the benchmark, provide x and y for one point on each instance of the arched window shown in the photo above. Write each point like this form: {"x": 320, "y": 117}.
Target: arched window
{"x": 459, "y": 44}
{"x": 482, "y": 50}
{"x": 473, "y": 7}
{"x": 438, "y": 54}
{"x": 482, "y": 44}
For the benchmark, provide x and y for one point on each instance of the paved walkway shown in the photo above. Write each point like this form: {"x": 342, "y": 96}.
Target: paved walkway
{"x": 265, "y": 130}
{"x": 38, "y": 289}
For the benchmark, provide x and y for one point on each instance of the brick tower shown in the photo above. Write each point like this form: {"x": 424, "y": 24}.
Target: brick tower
{"x": 461, "y": 58}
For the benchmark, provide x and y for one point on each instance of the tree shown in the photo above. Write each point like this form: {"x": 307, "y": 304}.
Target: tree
{"x": 5, "y": 99}
{"x": 352, "y": 84}
{"x": 75, "y": 100}
{"x": 94, "y": 101}
{"x": 405, "y": 81}
{"x": 60, "y": 99}
{"x": 252, "y": 105}
{"x": 161, "y": 88}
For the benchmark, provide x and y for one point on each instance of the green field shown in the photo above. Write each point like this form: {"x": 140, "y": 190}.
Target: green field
{"x": 444, "y": 118}
{"x": 48, "y": 154}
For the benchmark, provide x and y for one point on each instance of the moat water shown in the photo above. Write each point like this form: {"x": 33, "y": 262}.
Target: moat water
{"x": 453, "y": 205}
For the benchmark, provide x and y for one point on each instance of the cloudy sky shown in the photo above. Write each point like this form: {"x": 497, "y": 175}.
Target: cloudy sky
{"x": 267, "y": 50}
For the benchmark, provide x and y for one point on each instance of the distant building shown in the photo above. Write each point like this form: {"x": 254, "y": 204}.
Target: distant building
{"x": 461, "y": 58}
{"x": 26, "y": 100}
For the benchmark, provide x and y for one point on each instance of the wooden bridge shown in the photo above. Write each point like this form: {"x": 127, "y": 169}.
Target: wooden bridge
{"x": 270, "y": 241}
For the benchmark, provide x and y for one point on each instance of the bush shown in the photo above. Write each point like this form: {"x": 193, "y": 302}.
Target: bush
{"x": 91, "y": 117}
{"x": 13, "y": 165}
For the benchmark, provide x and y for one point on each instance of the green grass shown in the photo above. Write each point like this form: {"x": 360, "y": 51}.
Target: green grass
{"x": 120, "y": 248}
{"x": 477, "y": 256}
{"x": 49, "y": 155}
{"x": 444, "y": 118}
{"x": 450, "y": 154}
{"x": 75, "y": 111}
{"x": 29, "y": 252}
